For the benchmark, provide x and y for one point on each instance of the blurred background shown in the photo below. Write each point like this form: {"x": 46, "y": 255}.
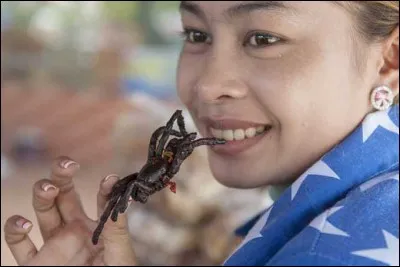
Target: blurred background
{"x": 93, "y": 80}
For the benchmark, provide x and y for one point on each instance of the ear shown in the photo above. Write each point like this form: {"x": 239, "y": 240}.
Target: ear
{"x": 389, "y": 72}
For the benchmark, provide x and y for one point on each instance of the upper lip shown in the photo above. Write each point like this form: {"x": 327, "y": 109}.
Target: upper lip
{"x": 225, "y": 124}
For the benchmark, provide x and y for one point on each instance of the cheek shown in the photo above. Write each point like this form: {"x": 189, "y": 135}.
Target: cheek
{"x": 304, "y": 90}
{"x": 301, "y": 82}
{"x": 185, "y": 79}
{"x": 283, "y": 89}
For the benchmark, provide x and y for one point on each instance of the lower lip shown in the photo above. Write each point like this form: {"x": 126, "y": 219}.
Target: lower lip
{"x": 232, "y": 148}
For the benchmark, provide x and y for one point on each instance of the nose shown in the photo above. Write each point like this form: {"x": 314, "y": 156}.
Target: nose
{"x": 220, "y": 80}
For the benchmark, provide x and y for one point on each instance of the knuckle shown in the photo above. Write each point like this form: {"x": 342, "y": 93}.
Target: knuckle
{"x": 41, "y": 206}
{"x": 66, "y": 187}
{"x": 12, "y": 239}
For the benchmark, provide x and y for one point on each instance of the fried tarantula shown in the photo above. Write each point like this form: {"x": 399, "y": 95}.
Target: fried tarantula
{"x": 162, "y": 164}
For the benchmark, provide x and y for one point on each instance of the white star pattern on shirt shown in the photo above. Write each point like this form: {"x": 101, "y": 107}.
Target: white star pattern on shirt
{"x": 388, "y": 255}
{"x": 379, "y": 179}
{"x": 255, "y": 232}
{"x": 374, "y": 120}
{"x": 321, "y": 223}
{"x": 319, "y": 168}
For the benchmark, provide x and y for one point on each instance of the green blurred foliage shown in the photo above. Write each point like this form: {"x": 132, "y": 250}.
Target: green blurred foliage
{"x": 121, "y": 10}
{"x": 139, "y": 12}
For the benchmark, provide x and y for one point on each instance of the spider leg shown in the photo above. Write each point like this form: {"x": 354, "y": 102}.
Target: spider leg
{"x": 173, "y": 145}
{"x": 119, "y": 188}
{"x": 186, "y": 149}
{"x": 103, "y": 219}
{"x": 177, "y": 162}
{"x": 206, "y": 142}
{"x": 167, "y": 132}
{"x": 131, "y": 190}
{"x": 154, "y": 137}
{"x": 181, "y": 125}
{"x": 123, "y": 200}
{"x": 113, "y": 197}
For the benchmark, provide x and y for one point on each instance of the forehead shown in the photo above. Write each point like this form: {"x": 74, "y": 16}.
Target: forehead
{"x": 232, "y": 9}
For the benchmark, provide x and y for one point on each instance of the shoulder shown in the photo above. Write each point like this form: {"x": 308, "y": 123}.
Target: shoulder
{"x": 360, "y": 229}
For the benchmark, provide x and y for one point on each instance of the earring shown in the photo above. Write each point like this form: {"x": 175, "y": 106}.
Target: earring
{"x": 382, "y": 97}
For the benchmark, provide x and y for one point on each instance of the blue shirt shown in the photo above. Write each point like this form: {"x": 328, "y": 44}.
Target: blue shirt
{"x": 344, "y": 210}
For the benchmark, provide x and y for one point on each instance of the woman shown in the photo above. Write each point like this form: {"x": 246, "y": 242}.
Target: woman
{"x": 306, "y": 94}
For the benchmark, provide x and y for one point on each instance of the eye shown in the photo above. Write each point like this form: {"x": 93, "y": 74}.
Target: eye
{"x": 261, "y": 40}
{"x": 194, "y": 36}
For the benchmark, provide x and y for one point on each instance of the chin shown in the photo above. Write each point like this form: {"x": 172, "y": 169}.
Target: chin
{"x": 235, "y": 173}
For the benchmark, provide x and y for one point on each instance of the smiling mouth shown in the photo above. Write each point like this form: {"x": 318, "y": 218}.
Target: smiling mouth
{"x": 239, "y": 134}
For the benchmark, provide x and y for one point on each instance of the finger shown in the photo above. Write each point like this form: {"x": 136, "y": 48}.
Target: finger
{"x": 105, "y": 189}
{"x": 16, "y": 230}
{"x": 68, "y": 247}
{"x": 68, "y": 200}
{"x": 47, "y": 214}
{"x": 118, "y": 248}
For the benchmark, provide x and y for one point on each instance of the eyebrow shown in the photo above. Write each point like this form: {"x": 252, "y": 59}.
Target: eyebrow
{"x": 237, "y": 10}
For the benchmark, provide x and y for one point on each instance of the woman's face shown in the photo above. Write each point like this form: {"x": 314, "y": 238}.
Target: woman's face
{"x": 279, "y": 80}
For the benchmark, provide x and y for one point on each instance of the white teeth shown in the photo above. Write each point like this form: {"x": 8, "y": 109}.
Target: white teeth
{"x": 260, "y": 129}
{"x": 238, "y": 134}
{"x": 227, "y": 135}
{"x": 216, "y": 133}
{"x": 250, "y": 132}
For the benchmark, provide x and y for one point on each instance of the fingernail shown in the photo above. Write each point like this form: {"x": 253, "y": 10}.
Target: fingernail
{"x": 46, "y": 187}
{"x": 26, "y": 225}
{"x": 109, "y": 176}
{"x": 130, "y": 200}
{"x": 23, "y": 223}
{"x": 65, "y": 164}
{"x": 20, "y": 222}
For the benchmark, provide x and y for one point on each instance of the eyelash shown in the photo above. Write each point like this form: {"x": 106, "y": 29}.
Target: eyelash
{"x": 188, "y": 34}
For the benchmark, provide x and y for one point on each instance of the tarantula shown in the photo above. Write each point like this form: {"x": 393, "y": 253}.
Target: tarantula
{"x": 162, "y": 164}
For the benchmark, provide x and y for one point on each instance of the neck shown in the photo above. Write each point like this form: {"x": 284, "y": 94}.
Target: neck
{"x": 275, "y": 191}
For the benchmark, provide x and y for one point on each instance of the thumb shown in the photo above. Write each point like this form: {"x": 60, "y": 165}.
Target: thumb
{"x": 118, "y": 243}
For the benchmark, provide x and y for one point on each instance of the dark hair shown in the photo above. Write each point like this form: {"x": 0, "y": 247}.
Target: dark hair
{"x": 374, "y": 20}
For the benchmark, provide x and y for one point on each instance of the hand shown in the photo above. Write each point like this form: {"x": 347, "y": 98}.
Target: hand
{"x": 65, "y": 228}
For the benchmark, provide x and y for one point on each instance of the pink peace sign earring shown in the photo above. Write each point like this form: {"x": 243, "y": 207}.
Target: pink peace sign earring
{"x": 382, "y": 97}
